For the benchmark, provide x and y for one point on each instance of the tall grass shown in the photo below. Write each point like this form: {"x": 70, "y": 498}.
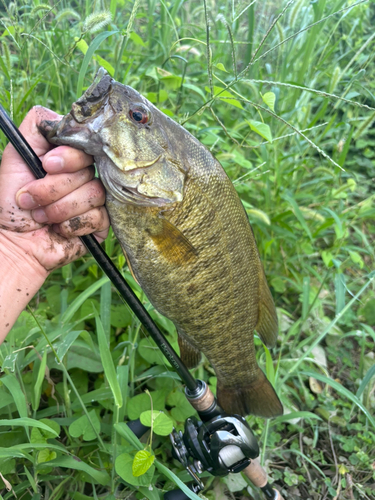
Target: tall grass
{"x": 282, "y": 93}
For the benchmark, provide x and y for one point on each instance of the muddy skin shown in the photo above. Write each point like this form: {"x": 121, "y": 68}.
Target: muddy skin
{"x": 71, "y": 248}
{"x": 75, "y": 223}
{"x": 79, "y": 225}
{"x": 82, "y": 222}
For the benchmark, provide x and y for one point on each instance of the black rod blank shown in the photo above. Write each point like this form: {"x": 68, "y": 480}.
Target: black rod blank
{"x": 32, "y": 160}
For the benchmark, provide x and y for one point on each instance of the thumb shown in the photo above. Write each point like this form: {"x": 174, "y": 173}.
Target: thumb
{"x": 14, "y": 172}
{"x": 29, "y": 129}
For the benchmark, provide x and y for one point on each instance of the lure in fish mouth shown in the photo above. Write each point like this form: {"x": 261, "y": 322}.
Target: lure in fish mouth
{"x": 106, "y": 122}
{"x": 185, "y": 235}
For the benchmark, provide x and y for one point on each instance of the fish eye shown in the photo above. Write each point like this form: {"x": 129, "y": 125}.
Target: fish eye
{"x": 139, "y": 114}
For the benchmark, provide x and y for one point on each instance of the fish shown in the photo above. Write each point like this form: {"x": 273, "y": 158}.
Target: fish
{"x": 185, "y": 235}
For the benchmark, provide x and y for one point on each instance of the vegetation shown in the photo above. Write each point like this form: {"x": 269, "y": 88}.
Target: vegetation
{"x": 282, "y": 93}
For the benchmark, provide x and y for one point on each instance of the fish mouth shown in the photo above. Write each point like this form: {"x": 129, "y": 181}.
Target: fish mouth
{"x": 63, "y": 131}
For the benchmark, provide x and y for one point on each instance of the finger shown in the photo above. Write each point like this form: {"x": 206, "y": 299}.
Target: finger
{"x": 66, "y": 159}
{"x": 93, "y": 221}
{"x": 80, "y": 201}
{"x": 52, "y": 188}
{"x": 101, "y": 235}
{"x": 30, "y": 131}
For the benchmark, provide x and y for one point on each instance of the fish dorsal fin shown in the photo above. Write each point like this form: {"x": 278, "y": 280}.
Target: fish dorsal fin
{"x": 267, "y": 326}
{"x": 172, "y": 243}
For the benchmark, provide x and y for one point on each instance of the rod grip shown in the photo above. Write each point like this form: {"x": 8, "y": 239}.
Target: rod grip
{"x": 256, "y": 473}
{"x": 137, "y": 428}
{"x": 203, "y": 401}
{"x": 175, "y": 495}
{"x": 258, "y": 476}
{"x": 278, "y": 495}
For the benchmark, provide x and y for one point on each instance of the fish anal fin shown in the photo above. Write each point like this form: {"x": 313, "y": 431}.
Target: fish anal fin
{"x": 189, "y": 354}
{"x": 172, "y": 243}
{"x": 129, "y": 265}
{"x": 257, "y": 398}
{"x": 267, "y": 325}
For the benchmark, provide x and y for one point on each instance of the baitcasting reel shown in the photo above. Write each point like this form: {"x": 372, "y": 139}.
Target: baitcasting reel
{"x": 224, "y": 444}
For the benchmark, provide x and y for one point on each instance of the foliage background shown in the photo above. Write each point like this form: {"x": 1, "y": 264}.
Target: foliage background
{"x": 302, "y": 161}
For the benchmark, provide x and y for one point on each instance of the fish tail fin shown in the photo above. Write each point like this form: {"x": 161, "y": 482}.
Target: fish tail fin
{"x": 256, "y": 398}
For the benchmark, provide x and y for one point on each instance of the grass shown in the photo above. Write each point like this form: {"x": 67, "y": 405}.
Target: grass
{"x": 282, "y": 93}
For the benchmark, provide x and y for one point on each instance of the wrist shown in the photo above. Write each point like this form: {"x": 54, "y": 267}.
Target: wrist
{"x": 20, "y": 279}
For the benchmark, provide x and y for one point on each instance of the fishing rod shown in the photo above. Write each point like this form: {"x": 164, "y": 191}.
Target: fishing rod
{"x": 218, "y": 443}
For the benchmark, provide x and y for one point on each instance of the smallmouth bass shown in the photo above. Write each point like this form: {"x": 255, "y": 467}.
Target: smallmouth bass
{"x": 184, "y": 232}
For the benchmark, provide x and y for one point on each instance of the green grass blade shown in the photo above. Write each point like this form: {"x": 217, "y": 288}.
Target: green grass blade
{"x": 105, "y": 308}
{"x": 326, "y": 330}
{"x": 170, "y": 475}
{"x": 297, "y": 452}
{"x": 26, "y": 422}
{"x": 370, "y": 373}
{"x": 343, "y": 392}
{"x": 76, "y": 304}
{"x": 106, "y": 357}
{"x": 112, "y": 8}
{"x": 339, "y": 292}
{"x": 299, "y": 215}
{"x": 13, "y": 386}
{"x": 123, "y": 378}
{"x": 10, "y": 453}
{"x": 30, "y": 479}
{"x": 66, "y": 342}
{"x": 305, "y": 296}
{"x": 4, "y": 68}
{"x": 77, "y": 464}
{"x": 270, "y": 369}
{"x": 39, "y": 382}
{"x": 90, "y": 52}
{"x": 293, "y": 415}
{"x": 129, "y": 435}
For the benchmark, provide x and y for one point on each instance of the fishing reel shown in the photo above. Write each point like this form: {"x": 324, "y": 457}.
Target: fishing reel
{"x": 223, "y": 445}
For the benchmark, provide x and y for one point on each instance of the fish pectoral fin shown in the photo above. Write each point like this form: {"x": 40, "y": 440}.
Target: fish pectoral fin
{"x": 172, "y": 243}
{"x": 267, "y": 326}
{"x": 189, "y": 354}
{"x": 129, "y": 265}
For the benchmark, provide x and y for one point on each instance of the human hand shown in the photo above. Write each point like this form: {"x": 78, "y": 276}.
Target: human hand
{"x": 40, "y": 220}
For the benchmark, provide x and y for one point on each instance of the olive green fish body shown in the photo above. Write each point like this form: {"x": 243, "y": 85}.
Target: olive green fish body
{"x": 185, "y": 234}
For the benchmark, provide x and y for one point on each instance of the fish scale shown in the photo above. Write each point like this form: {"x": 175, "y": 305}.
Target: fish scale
{"x": 185, "y": 234}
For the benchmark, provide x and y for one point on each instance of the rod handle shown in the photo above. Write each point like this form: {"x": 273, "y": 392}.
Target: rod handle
{"x": 137, "y": 427}
{"x": 256, "y": 473}
{"x": 202, "y": 400}
{"x": 175, "y": 495}
{"x": 258, "y": 476}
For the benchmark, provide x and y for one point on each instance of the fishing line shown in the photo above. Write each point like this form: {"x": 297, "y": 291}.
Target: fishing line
{"x": 32, "y": 160}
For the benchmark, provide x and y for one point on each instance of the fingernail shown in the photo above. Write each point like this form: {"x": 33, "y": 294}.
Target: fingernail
{"x": 56, "y": 228}
{"x": 54, "y": 164}
{"x": 39, "y": 215}
{"x": 26, "y": 201}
